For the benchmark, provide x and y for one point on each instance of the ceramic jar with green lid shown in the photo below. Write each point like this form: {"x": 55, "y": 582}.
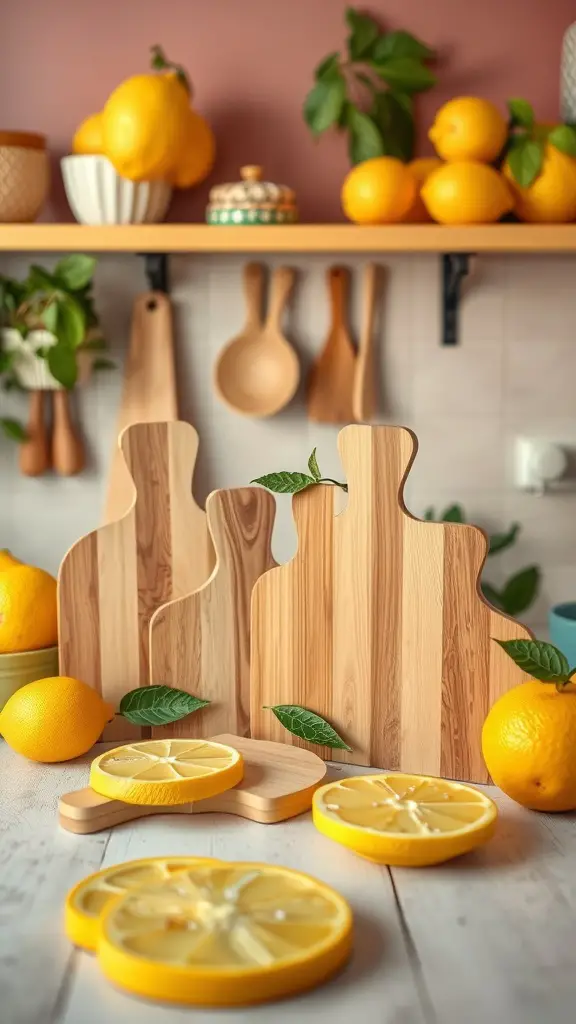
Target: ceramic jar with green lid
{"x": 251, "y": 201}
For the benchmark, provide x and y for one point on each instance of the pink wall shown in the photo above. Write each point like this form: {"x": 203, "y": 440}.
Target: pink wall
{"x": 251, "y": 62}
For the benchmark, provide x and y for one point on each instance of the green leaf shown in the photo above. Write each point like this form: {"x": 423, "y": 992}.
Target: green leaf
{"x": 285, "y": 482}
{"x": 541, "y": 660}
{"x": 327, "y": 65}
{"x": 62, "y": 364}
{"x": 313, "y": 466}
{"x": 405, "y": 74}
{"x": 501, "y": 541}
{"x": 525, "y": 158}
{"x": 308, "y": 726}
{"x": 429, "y": 514}
{"x": 70, "y": 323}
{"x": 75, "y": 272}
{"x": 520, "y": 590}
{"x": 6, "y": 360}
{"x": 363, "y": 33}
{"x": 365, "y": 138}
{"x": 400, "y": 44}
{"x": 396, "y": 124}
{"x": 491, "y": 595}
{"x": 103, "y": 364}
{"x": 563, "y": 138}
{"x": 158, "y": 705}
{"x": 40, "y": 280}
{"x": 521, "y": 113}
{"x": 453, "y": 514}
{"x": 323, "y": 104}
{"x": 13, "y": 430}
{"x": 49, "y": 317}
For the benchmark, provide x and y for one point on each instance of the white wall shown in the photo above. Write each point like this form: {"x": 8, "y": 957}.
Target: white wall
{"x": 513, "y": 373}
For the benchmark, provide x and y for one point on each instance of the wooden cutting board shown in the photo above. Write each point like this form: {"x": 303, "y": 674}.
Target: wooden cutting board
{"x": 148, "y": 390}
{"x": 114, "y": 579}
{"x": 201, "y": 642}
{"x": 377, "y": 623}
{"x": 331, "y": 377}
{"x": 279, "y": 781}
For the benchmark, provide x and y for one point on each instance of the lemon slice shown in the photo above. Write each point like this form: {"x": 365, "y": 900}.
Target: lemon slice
{"x": 225, "y": 935}
{"x": 404, "y": 820}
{"x": 87, "y": 900}
{"x": 165, "y": 772}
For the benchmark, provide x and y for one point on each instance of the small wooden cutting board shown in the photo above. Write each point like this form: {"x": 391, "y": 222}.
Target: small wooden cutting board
{"x": 113, "y": 580}
{"x": 279, "y": 782}
{"x": 201, "y": 642}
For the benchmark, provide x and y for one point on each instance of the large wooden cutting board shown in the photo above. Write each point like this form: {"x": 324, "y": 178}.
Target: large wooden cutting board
{"x": 201, "y": 642}
{"x": 378, "y": 625}
{"x": 114, "y": 579}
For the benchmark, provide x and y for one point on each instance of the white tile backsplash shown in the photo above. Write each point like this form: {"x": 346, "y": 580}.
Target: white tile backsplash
{"x": 513, "y": 373}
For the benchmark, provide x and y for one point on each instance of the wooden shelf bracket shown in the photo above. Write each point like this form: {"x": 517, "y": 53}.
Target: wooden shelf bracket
{"x": 156, "y": 269}
{"x": 455, "y": 267}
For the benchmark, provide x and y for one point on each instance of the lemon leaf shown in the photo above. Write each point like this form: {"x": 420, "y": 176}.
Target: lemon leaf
{"x": 401, "y": 44}
{"x": 284, "y": 482}
{"x": 13, "y": 430}
{"x": 323, "y": 104}
{"x": 366, "y": 139}
{"x": 539, "y": 659}
{"x": 521, "y": 113}
{"x": 158, "y": 705}
{"x": 392, "y": 113}
{"x": 327, "y": 65}
{"x": 501, "y": 541}
{"x": 363, "y": 33}
{"x": 525, "y": 159}
{"x": 62, "y": 364}
{"x": 520, "y": 590}
{"x": 405, "y": 73}
{"x": 308, "y": 726}
{"x": 563, "y": 138}
{"x": 314, "y": 467}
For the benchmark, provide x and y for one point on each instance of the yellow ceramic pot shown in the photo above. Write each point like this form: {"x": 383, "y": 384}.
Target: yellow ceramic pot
{"x": 18, "y": 669}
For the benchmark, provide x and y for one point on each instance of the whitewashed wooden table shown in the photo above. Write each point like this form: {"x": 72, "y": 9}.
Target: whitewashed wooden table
{"x": 489, "y": 938}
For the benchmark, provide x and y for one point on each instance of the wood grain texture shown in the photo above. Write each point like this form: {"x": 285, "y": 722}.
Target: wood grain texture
{"x": 378, "y": 625}
{"x": 112, "y": 580}
{"x": 278, "y": 783}
{"x": 201, "y": 642}
{"x": 364, "y": 398}
{"x": 331, "y": 377}
{"x": 148, "y": 390}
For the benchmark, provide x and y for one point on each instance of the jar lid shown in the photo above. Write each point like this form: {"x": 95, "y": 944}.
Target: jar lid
{"x": 25, "y": 140}
{"x": 251, "y": 193}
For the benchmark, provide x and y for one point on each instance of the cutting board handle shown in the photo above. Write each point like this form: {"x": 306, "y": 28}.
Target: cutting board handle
{"x": 281, "y": 286}
{"x": 254, "y": 294}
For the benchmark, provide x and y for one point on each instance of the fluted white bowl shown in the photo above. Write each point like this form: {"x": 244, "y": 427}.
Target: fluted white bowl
{"x": 98, "y": 195}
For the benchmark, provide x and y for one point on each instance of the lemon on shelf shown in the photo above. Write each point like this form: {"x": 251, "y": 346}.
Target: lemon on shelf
{"x": 28, "y": 608}
{"x": 86, "y": 902}
{"x": 551, "y": 198}
{"x": 469, "y": 128}
{"x": 466, "y": 192}
{"x": 197, "y": 153}
{"x": 421, "y": 168}
{"x": 378, "y": 191}
{"x": 225, "y": 934}
{"x": 8, "y": 560}
{"x": 166, "y": 772}
{"x": 404, "y": 820}
{"x": 88, "y": 136}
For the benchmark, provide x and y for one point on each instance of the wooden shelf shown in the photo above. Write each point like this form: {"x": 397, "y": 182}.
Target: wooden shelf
{"x": 329, "y": 238}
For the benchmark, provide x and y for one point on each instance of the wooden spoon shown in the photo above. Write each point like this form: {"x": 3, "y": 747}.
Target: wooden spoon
{"x": 34, "y": 453}
{"x": 67, "y": 448}
{"x": 257, "y": 373}
{"x": 364, "y": 390}
{"x": 332, "y": 375}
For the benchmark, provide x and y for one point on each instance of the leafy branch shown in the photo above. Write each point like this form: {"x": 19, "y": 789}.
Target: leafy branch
{"x": 527, "y": 141}
{"x": 540, "y": 660}
{"x": 368, "y": 92}
{"x": 285, "y": 482}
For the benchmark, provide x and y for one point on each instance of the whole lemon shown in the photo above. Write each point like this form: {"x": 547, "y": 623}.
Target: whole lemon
{"x": 469, "y": 128}
{"x": 551, "y": 198}
{"x": 197, "y": 154}
{"x": 7, "y": 560}
{"x": 421, "y": 168}
{"x": 88, "y": 136}
{"x": 529, "y": 746}
{"x": 54, "y": 719}
{"x": 144, "y": 126}
{"x": 466, "y": 193}
{"x": 378, "y": 191}
{"x": 28, "y": 609}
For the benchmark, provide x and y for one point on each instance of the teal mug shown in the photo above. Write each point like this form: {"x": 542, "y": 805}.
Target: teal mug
{"x": 562, "y": 623}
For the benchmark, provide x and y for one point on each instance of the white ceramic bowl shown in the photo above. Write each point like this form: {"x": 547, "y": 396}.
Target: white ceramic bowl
{"x": 98, "y": 195}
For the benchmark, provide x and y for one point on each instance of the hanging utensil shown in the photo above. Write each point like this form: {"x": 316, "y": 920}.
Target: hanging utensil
{"x": 67, "y": 447}
{"x": 364, "y": 391}
{"x": 34, "y": 452}
{"x": 332, "y": 375}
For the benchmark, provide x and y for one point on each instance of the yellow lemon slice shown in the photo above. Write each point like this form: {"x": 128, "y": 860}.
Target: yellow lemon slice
{"x": 404, "y": 820}
{"x": 225, "y": 935}
{"x": 165, "y": 772}
{"x": 87, "y": 900}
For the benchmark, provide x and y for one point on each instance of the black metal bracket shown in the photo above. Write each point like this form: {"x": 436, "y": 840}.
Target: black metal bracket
{"x": 156, "y": 268}
{"x": 455, "y": 267}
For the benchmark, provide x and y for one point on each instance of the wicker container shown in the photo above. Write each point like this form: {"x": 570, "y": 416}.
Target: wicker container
{"x": 18, "y": 669}
{"x": 98, "y": 195}
{"x": 24, "y": 176}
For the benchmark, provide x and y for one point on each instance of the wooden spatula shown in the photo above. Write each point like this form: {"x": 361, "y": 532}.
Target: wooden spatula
{"x": 279, "y": 782}
{"x": 364, "y": 391}
{"x": 332, "y": 375}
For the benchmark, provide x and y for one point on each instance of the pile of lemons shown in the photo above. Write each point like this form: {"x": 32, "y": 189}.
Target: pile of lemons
{"x": 469, "y": 182}
{"x": 148, "y": 129}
